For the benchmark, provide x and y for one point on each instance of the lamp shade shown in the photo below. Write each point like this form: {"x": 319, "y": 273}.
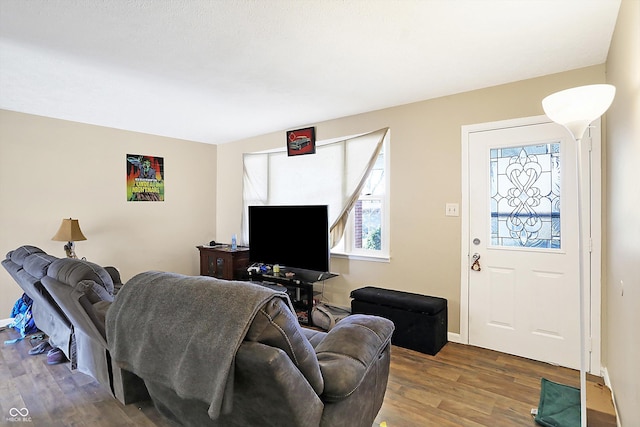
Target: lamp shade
{"x": 577, "y": 107}
{"x": 69, "y": 231}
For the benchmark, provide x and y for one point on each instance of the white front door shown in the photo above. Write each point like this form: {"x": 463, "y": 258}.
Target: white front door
{"x": 523, "y": 292}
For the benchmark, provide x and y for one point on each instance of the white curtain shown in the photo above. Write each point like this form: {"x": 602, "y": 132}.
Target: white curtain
{"x": 333, "y": 176}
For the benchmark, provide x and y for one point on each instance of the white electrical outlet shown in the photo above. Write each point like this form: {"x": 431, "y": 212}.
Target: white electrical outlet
{"x": 451, "y": 209}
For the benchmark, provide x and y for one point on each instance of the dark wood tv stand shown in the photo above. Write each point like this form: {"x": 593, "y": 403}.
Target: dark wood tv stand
{"x": 223, "y": 262}
{"x": 299, "y": 287}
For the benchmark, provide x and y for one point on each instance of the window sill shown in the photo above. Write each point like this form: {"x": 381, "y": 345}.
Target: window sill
{"x": 361, "y": 257}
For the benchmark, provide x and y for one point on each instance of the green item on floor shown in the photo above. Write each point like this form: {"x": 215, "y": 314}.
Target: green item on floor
{"x": 559, "y": 405}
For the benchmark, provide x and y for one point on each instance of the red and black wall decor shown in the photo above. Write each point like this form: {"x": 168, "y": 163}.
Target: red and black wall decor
{"x": 301, "y": 141}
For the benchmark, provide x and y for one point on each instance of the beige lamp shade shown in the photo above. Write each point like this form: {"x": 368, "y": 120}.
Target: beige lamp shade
{"x": 69, "y": 231}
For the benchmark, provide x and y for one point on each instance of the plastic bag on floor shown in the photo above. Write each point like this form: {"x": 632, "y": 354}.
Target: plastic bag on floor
{"x": 326, "y": 316}
{"x": 22, "y": 318}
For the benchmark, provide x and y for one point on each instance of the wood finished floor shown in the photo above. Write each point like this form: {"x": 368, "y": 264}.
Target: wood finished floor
{"x": 460, "y": 386}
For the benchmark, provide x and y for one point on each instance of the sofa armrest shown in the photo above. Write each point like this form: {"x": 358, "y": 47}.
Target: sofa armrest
{"x": 115, "y": 277}
{"x": 348, "y": 352}
{"x": 269, "y": 390}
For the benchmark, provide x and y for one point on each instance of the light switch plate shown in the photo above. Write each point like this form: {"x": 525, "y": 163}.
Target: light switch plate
{"x": 451, "y": 209}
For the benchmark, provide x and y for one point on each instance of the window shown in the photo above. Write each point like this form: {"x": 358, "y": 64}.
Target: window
{"x": 347, "y": 174}
{"x": 525, "y": 196}
{"x": 367, "y": 231}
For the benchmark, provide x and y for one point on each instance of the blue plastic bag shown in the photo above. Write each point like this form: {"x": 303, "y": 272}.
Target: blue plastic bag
{"x": 22, "y": 317}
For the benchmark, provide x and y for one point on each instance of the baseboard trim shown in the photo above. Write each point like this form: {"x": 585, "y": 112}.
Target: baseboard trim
{"x": 453, "y": 337}
{"x": 607, "y": 382}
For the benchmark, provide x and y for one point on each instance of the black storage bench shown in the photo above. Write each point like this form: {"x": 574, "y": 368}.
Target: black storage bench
{"x": 420, "y": 320}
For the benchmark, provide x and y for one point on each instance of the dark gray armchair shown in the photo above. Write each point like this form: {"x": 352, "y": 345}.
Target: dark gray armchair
{"x": 283, "y": 375}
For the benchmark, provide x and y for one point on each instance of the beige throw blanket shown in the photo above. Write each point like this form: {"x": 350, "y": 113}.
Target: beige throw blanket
{"x": 184, "y": 331}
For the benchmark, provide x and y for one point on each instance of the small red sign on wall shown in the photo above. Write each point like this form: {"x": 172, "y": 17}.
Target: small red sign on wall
{"x": 301, "y": 141}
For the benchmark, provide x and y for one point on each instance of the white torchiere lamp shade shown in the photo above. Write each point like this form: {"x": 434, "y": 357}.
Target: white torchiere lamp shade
{"x": 577, "y": 107}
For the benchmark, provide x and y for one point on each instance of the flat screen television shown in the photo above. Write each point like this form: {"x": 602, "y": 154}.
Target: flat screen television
{"x": 292, "y": 236}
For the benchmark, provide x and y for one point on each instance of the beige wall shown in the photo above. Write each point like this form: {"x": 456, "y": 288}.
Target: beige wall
{"x": 53, "y": 169}
{"x": 425, "y": 174}
{"x": 622, "y": 216}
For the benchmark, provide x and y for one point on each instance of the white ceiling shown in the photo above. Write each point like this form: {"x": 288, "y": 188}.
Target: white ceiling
{"x": 216, "y": 71}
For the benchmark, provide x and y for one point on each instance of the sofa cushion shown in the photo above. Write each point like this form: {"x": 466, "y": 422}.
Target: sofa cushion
{"x": 276, "y": 325}
{"x": 37, "y": 264}
{"x": 72, "y": 271}
{"x": 315, "y": 337}
{"x": 93, "y": 291}
{"x": 19, "y": 255}
{"x": 115, "y": 278}
{"x": 349, "y": 350}
{"x": 100, "y": 309}
{"x": 97, "y": 314}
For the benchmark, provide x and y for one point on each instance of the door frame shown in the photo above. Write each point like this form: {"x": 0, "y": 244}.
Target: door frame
{"x": 591, "y": 229}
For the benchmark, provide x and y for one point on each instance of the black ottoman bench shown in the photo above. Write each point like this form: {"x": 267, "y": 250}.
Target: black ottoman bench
{"x": 420, "y": 320}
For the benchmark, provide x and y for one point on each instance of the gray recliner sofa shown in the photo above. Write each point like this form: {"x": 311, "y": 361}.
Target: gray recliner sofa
{"x": 280, "y": 374}
{"x": 84, "y": 292}
{"x": 188, "y": 329}
{"x": 70, "y": 301}
{"x": 28, "y": 265}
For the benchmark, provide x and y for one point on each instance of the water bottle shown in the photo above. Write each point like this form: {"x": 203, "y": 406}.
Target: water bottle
{"x": 234, "y": 243}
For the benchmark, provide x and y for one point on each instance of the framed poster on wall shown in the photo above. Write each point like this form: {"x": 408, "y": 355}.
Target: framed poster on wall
{"x": 145, "y": 178}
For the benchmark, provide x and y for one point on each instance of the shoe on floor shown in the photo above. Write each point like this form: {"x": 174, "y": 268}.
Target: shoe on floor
{"x": 40, "y": 348}
{"x": 55, "y": 356}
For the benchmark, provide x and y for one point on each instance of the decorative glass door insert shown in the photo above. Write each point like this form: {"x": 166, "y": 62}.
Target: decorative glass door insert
{"x": 525, "y": 196}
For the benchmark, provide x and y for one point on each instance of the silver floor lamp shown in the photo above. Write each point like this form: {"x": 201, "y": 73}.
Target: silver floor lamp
{"x": 575, "y": 109}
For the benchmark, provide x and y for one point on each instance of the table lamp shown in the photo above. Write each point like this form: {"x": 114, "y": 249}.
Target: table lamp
{"x": 69, "y": 232}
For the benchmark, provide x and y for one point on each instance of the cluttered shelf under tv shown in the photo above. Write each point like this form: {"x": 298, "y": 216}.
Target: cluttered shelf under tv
{"x": 299, "y": 285}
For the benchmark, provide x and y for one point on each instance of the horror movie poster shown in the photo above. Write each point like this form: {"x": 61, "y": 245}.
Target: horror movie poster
{"x": 145, "y": 178}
